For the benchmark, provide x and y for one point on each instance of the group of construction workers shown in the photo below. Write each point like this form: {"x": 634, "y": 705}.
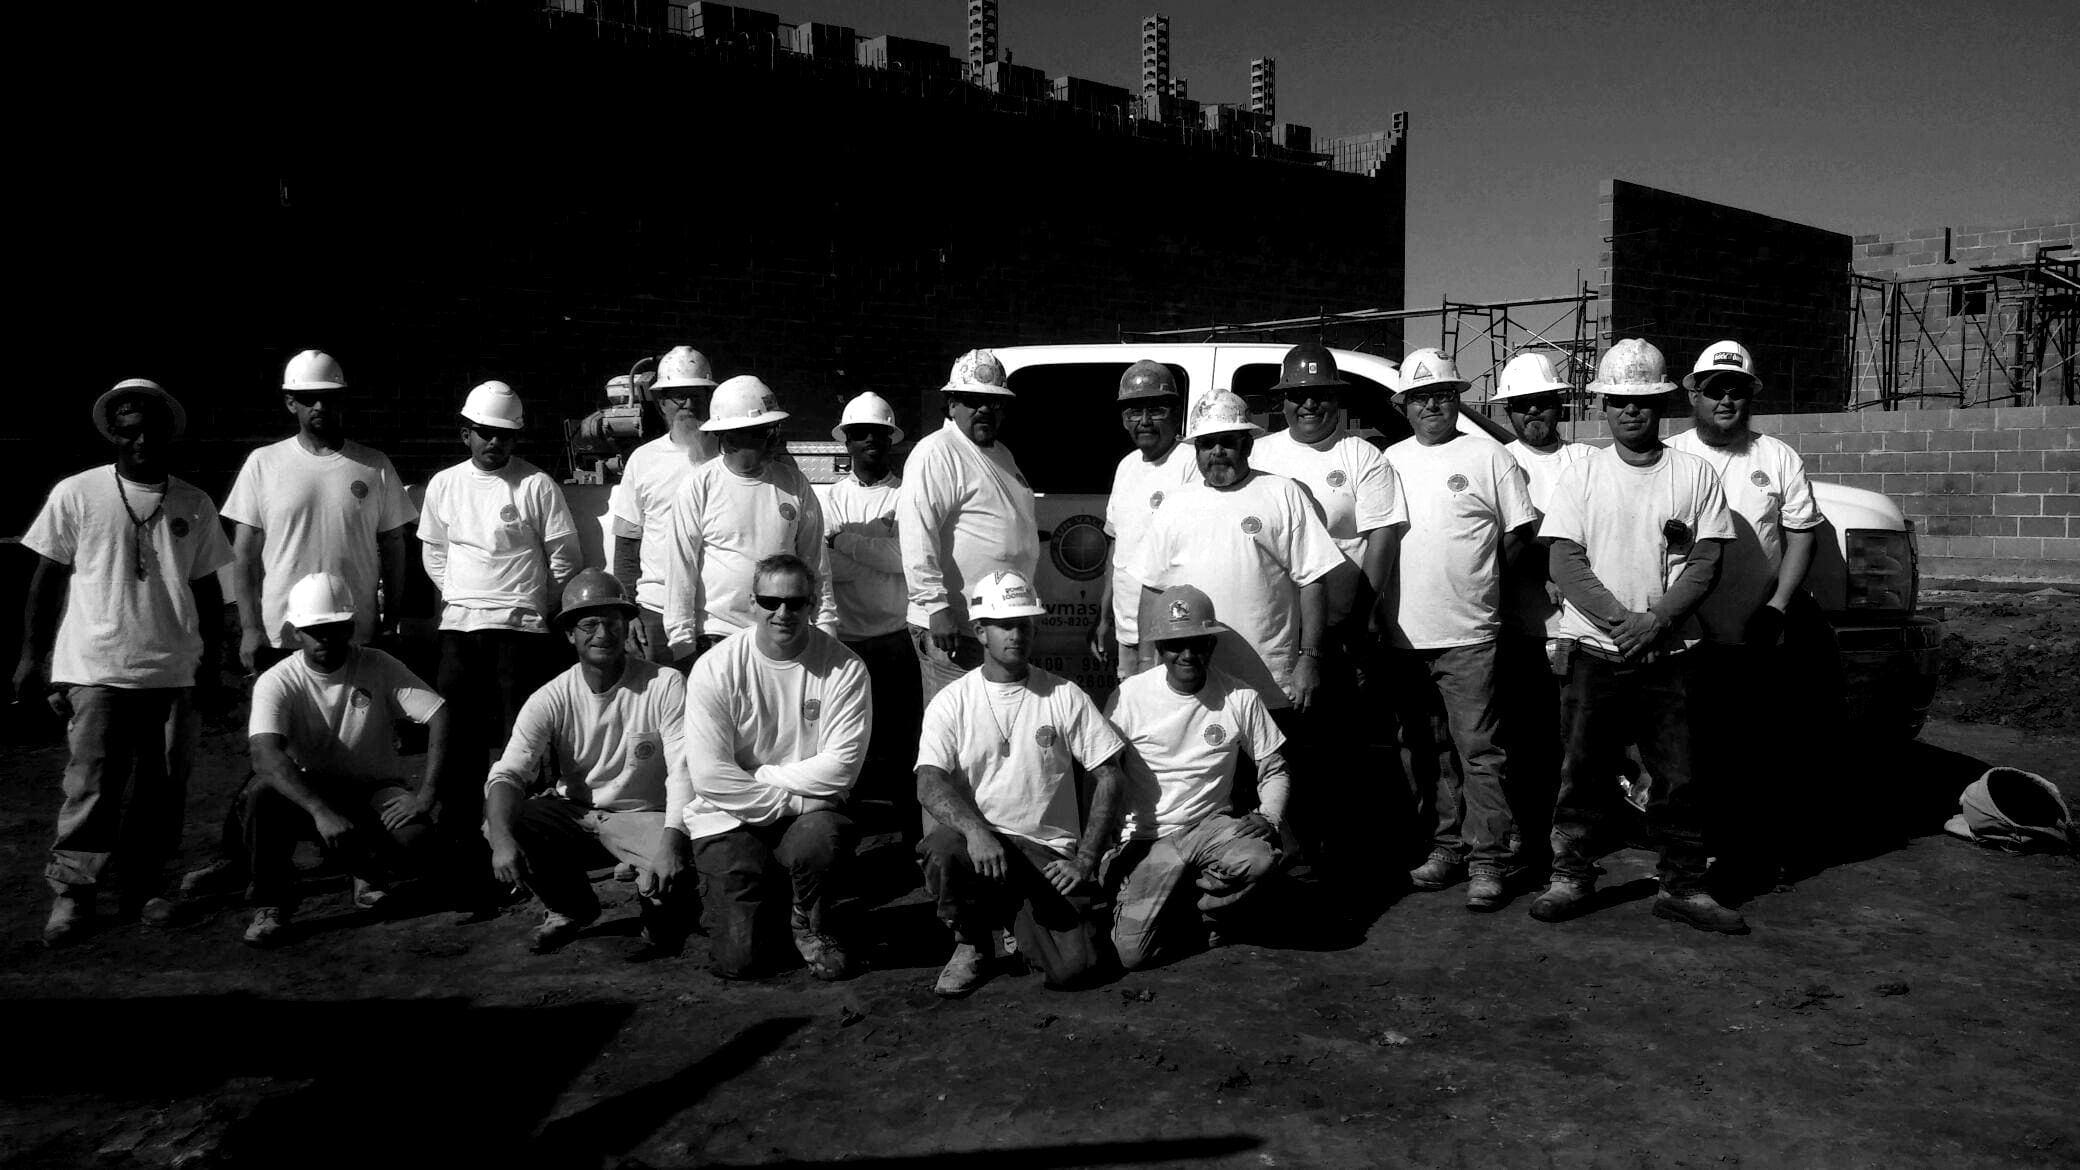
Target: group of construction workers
{"x": 759, "y": 663}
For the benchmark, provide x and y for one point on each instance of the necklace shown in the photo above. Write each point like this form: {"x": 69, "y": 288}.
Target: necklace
{"x": 137, "y": 527}
{"x": 1003, "y": 732}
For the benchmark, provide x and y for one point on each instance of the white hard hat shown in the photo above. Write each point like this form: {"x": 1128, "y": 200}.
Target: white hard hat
{"x": 137, "y": 386}
{"x": 1721, "y": 357}
{"x": 1218, "y": 413}
{"x": 978, "y": 372}
{"x": 1004, "y": 594}
{"x": 493, "y": 404}
{"x": 319, "y": 599}
{"x": 741, "y": 402}
{"x": 1528, "y": 373}
{"x": 1426, "y": 368}
{"x": 868, "y": 410}
{"x": 683, "y": 366}
{"x": 313, "y": 369}
{"x": 1633, "y": 368}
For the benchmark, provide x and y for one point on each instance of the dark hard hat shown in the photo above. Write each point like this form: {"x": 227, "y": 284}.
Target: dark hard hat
{"x": 590, "y": 590}
{"x": 1147, "y": 379}
{"x": 1308, "y": 365}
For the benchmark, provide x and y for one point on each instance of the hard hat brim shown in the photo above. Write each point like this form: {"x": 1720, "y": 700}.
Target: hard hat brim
{"x": 764, "y": 418}
{"x": 1304, "y": 384}
{"x": 984, "y": 389}
{"x": 504, "y": 424}
{"x": 138, "y": 386}
{"x": 1528, "y": 391}
{"x": 1696, "y": 378}
{"x": 306, "y": 387}
{"x": 683, "y": 384}
{"x": 1008, "y": 612}
{"x": 1140, "y": 393}
{"x": 626, "y": 608}
{"x": 1631, "y": 389}
{"x": 895, "y": 432}
{"x": 1253, "y": 430}
{"x": 1179, "y": 634}
{"x": 304, "y": 620}
{"x": 1456, "y": 385}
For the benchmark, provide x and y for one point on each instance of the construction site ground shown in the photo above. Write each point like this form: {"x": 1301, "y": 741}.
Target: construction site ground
{"x": 1910, "y": 1002}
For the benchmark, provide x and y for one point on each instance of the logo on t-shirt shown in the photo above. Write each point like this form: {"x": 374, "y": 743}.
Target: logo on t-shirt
{"x": 1155, "y": 501}
{"x": 1045, "y": 736}
{"x": 1759, "y": 477}
{"x": 1337, "y": 478}
{"x": 359, "y": 489}
{"x": 179, "y": 527}
{"x": 360, "y": 699}
{"x": 811, "y": 708}
{"x": 786, "y": 511}
{"x": 509, "y": 513}
{"x": 645, "y": 750}
{"x": 1252, "y": 525}
{"x": 1457, "y": 483}
{"x": 1216, "y": 735}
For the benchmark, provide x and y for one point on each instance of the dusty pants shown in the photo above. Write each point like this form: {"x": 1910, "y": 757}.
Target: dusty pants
{"x": 142, "y": 741}
{"x": 1211, "y": 857}
{"x": 747, "y": 923}
{"x": 1608, "y": 705}
{"x": 271, "y": 825}
{"x": 1468, "y": 809}
{"x": 561, "y": 841}
{"x": 1062, "y": 933}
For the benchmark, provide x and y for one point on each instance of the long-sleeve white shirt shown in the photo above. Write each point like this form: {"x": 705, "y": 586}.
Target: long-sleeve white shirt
{"x": 643, "y": 499}
{"x": 866, "y": 556}
{"x": 497, "y": 544}
{"x": 767, "y": 738}
{"x": 722, "y": 525}
{"x": 622, "y": 750}
{"x": 965, "y": 512}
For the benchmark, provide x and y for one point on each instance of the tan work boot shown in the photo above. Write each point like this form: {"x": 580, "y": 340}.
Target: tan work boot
{"x": 1700, "y": 910}
{"x": 1441, "y": 871}
{"x": 1484, "y": 891}
{"x": 70, "y": 917}
{"x": 963, "y": 973}
{"x": 1564, "y": 898}
{"x": 267, "y": 923}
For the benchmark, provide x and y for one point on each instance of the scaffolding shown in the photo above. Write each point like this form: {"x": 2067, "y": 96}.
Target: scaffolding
{"x": 1992, "y": 335}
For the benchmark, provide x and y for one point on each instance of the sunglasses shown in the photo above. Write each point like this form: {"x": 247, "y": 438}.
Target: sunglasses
{"x": 1156, "y": 413}
{"x": 769, "y": 603}
{"x": 1532, "y": 403}
{"x": 491, "y": 434}
{"x": 589, "y": 626}
{"x": 1727, "y": 388}
{"x": 310, "y": 398}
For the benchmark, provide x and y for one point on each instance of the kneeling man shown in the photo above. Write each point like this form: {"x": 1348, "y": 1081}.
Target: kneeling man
{"x": 1189, "y": 724}
{"x": 777, "y": 722}
{"x": 611, "y": 728}
{"x": 994, "y": 768}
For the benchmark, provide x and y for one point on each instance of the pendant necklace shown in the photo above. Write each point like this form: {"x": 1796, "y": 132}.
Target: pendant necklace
{"x": 1003, "y": 732}
{"x": 137, "y": 527}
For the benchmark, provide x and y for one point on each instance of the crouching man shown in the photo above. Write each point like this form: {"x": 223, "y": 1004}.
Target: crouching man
{"x": 1189, "y": 725}
{"x": 994, "y": 769}
{"x": 325, "y": 763}
{"x": 777, "y": 723}
{"x": 612, "y": 727}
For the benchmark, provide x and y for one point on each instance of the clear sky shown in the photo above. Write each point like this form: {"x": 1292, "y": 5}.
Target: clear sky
{"x": 1853, "y": 115}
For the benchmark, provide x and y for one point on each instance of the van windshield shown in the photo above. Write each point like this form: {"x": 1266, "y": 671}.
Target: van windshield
{"x": 1066, "y": 429}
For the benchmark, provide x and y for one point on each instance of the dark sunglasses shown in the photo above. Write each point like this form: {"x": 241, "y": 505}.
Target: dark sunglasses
{"x": 769, "y": 603}
{"x": 311, "y": 397}
{"x": 1727, "y": 388}
{"x": 1532, "y": 403}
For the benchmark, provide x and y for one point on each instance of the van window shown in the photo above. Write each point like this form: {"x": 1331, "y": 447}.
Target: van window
{"x": 1065, "y": 427}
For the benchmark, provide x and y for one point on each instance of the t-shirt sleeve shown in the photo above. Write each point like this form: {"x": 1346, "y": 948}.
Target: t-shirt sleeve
{"x": 1112, "y": 504}
{"x": 557, "y": 519}
{"x": 671, "y": 726}
{"x": 270, "y": 707}
{"x": 534, "y": 731}
{"x": 1311, "y": 554}
{"x": 1564, "y": 511}
{"x": 1092, "y": 738}
{"x": 397, "y": 506}
{"x": 55, "y": 532}
{"x": 1379, "y": 493}
{"x": 1800, "y": 510}
{"x": 939, "y": 737}
{"x": 622, "y": 502}
{"x": 243, "y": 505}
{"x": 1714, "y": 518}
{"x": 409, "y": 697}
{"x": 1512, "y": 492}
{"x": 215, "y": 552}
{"x": 433, "y": 522}
{"x": 1260, "y": 736}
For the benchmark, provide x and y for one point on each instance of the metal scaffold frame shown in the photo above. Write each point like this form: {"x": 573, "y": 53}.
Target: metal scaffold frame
{"x": 2004, "y": 335}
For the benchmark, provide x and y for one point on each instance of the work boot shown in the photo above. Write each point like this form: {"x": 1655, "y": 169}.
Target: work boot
{"x": 555, "y": 930}
{"x": 963, "y": 973}
{"x": 1565, "y": 898}
{"x": 368, "y": 895}
{"x": 267, "y": 924}
{"x": 1441, "y": 871}
{"x": 158, "y": 912}
{"x": 1700, "y": 910}
{"x": 826, "y": 958}
{"x": 222, "y": 876}
{"x": 71, "y": 915}
{"x": 1484, "y": 892}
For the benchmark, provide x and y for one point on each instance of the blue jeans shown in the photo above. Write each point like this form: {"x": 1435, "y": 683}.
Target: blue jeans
{"x": 1211, "y": 857}
{"x": 739, "y": 869}
{"x": 1467, "y": 808}
{"x": 1062, "y": 933}
{"x": 1607, "y": 706}
{"x": 143, "y": 740}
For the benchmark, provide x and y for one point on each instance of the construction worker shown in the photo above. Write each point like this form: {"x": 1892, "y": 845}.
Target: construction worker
{"x": 595, "y": 773}
{"x": 1188, "y": 726}
{"x": 1635, "y": 534}
{"x": 1469, "y": 506}
{"x": 641, "y": 504}
{"x": 316, "y": 502}
{"x": 965, "y": 511}
{"x": 1532, "y": 395}
{"x": 128, "y": 553}
{"x": 1152, "y": 412}
{"x": 325, "y": 763}
{"x": 866, "y": 560}
{"x": 734, "y": 510}
{"x": 778, "y": 718}
{"x": 996, "y": 769}
{"x": 1761, "y": 585}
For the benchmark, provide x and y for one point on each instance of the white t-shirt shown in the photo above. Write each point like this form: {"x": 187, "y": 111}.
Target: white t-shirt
{"x": 1462, "y": 497}
{"x": 320, "y": 514}
{"x": 623, "y": 750}
{"x": 1185, "y": 748}
{"x": 1530, "y": 608}
{"x": 643, "y": 499}
{"x": 495, "y": 543}
{"x": 964, "y": 512}
{"x": 1617, "y": 513}
{"x": 119, "y": 631}
{"x": 1544, "y": 468}
{"x": 764, "y": 737}
{"x": 722, "y": 525}
{"x": 339, "y": 725}
{"x": 1250, "y": 548}
{"x": 1046, "y": 722}
{"x": 1765, "y": 485}
{"x": 866, "y": 556}
{"x": 1349, "y": 479}
{"x": 1139, "y": 487}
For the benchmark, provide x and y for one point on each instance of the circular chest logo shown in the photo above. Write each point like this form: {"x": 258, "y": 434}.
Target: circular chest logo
{"x": 360, "y": 699}
{"x": 1759, "y": 478}
{"x": 1078, "y": 547}
{"x": 811, "y": 708}
{"x": 645, "y": 750}
{"x": 179, "y": 527}
{"x": 1216, "y": 735}
{"x": 1457, "y": 483}
{"x": 1252, "y": 525}
{"x": 1337, "y": 478}
{"x": 787, "y": 511}
{"x": 1155, "y": 501}
{"x": 509, "y": 513}
{"x": 359, "y": 489}
{"x": 1045, "y": 736}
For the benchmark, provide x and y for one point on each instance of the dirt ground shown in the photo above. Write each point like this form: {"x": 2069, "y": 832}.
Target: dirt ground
{"x": 1910, "y": 1003}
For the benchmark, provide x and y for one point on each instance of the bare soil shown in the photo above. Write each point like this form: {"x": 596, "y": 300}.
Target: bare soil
{"x": 1910, "y": 1002}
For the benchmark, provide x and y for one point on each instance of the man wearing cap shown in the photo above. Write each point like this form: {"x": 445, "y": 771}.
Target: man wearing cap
{"x": 316, "y": 502}
{"x": 866, "y": 560}
{"x": 1187, "y": 726}
{"x": 1152, "y": 411}
{"x": 1469, "y": 506}
{"x": 128, "y": 553}
{"x": 736, "y": 509}
{"x": 778, "y": 718}
{"x": 965, "y": 511}
{"x": 641, "y": 504}
{"x": 1761, "y": 580}
{"x": 499, "y": 543}
{"x": 1635, "y": 535}
{"x": 325, "y": 764}
{"x": 595, "y": 773}
{"x": 996, "y": 769}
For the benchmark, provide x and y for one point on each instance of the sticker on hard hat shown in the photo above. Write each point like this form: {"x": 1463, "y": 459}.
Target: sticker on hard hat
{"x": 787, "y": 511}
{"x": 1155, "y": 501}
{"x": 359, "y": 489}
{"x": 1216, "y": 735}
{"x": 1337, "y": 478}
{"x": 1078, "y": 547}
{"x": 360, "y": 700}
{"x": 1728, "y": 359}
{"x": 1457, "y": 483}
{"x": 645, "y": 750}
{"x": 811, "y": 708}
{"x": 1422, "y": 371}
{"x": 1180, "y": 612}
{"x": 1759, "y": 477}
{"x": 178, "y": 526}
{"x": 509, "y": 514}
{"x": 1312, "y": 369}
{"x": 1252, "y": 525}
{"x": 1045, "y": 736}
